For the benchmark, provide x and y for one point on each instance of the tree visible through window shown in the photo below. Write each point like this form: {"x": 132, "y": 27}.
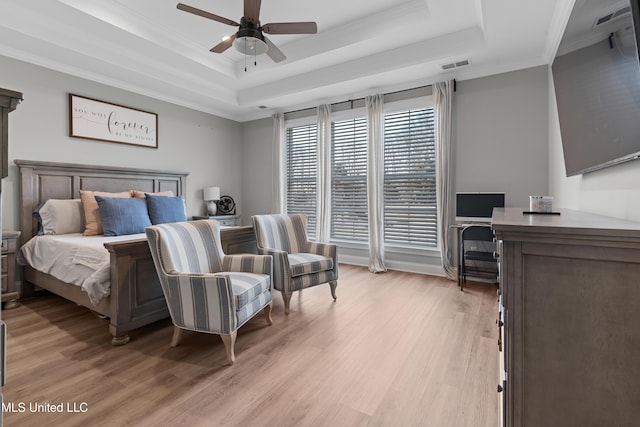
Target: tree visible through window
{"x": 349, "y": 214}
{"x": 410, "y": 211}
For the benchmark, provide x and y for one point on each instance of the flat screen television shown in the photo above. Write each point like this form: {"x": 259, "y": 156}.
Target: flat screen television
{"x": 477, "y": 207}
{"x": 596, "y": 75}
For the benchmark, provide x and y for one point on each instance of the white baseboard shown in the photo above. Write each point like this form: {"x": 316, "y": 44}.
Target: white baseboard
{"x": 410, "y": 267}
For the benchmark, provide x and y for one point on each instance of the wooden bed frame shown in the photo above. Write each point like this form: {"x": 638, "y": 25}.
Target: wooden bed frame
{"x": 136, "y": 297}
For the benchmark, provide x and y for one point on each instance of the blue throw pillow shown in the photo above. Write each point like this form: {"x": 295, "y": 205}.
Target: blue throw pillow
{"x": 122, "y": 216}
{"x": 163, "y": 209}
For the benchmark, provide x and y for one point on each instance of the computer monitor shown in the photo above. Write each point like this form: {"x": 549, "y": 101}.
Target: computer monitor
{"x": 477, "y": 207}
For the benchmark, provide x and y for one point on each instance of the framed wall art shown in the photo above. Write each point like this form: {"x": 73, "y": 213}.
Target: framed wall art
{"x": 104, "y": 121}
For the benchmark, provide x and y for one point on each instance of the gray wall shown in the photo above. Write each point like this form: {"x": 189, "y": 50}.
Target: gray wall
{"x": 499, "y": 144}
{"x": 206, "y": 146}
{"x": 614, "y": 191}
{"x": 257, "y": 168}
{"x": 500, "y": 127}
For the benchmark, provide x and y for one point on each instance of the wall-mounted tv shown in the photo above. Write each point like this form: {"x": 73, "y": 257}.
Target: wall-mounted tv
{"x": 596, "y": 74}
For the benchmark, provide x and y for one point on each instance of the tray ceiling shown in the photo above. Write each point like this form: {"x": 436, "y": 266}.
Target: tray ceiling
{"x": 362, "y": 47}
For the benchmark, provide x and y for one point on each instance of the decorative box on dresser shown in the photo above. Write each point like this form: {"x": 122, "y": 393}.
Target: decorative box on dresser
{"x": 570, "y": 304}
{"x": 10, "y": 292}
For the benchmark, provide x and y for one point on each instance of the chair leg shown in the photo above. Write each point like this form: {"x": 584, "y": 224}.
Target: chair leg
{"x": 334, "y": 285}
{"x": 286, "y": 297}
{"x": 267, "y": 313}
{"x": 229, "y": 345}
{"x": 177, "y": 335}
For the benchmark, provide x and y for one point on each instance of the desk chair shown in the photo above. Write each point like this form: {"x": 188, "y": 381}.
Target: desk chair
{"x": 477, "y": 254}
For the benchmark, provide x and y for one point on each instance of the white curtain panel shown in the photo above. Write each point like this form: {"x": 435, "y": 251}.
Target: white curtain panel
{"x": 323, "y": 187}
{"x": 443, "y": 98}
{"x": 375, "y": 181}
{"x": 278, "y": 152}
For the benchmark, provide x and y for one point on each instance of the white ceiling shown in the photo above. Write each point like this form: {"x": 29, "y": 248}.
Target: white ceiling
{"x": 362, "y": 47}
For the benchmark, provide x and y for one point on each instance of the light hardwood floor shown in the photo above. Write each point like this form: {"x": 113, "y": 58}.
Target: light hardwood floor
{"x": 396, "y": 349}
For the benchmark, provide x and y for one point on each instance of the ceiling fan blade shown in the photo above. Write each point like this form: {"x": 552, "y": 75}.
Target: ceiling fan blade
{"x": 290, "y": 28}
{"x": 273, "y": 52}
{"x": 252, "y": 10}
{"x": 223, "y": 45}
{"x": 207, "y": 15}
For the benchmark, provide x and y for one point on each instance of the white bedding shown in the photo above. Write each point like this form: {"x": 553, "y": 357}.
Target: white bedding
{"x": 74, "y": 258}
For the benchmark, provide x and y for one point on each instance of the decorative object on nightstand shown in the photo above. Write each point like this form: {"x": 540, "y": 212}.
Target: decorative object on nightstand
{"x": 10, "y": 293}
{"x": 226, "y": 206}
{"x": 211, "y": 197}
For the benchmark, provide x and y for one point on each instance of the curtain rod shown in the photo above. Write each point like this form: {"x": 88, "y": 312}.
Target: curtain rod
{"x": 361, "y": 100}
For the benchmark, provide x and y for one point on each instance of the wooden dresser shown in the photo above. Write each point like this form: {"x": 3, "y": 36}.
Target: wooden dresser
{"x": 9, "y": 100}
{"x": 570, "y": 296}
{"x": 10, "y": 245}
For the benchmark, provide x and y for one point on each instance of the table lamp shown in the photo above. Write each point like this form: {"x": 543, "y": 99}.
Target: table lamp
{"x": 211, "y": 195}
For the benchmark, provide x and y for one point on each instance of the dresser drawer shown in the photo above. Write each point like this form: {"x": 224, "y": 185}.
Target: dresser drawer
{"x": 226, "y": 220}
{"x": 10, "y": 287}
{"x": 229, "y": 221}
{"x": 8, "y": 245}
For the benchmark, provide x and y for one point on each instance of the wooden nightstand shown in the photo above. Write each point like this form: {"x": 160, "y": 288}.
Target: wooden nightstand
{"x": 10, "y": 243}
{"x": 233, "y": 220}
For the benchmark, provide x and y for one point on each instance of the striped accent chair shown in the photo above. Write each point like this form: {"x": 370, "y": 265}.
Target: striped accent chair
{"x": 297, "y": 262}
{"x": 206, "y": 290}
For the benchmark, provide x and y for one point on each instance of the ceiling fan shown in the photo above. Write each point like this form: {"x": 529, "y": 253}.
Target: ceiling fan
{"x": 249, "y": 39}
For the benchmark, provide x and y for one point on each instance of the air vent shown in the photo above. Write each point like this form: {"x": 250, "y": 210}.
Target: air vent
{"x": 262, "y": 107}
{"x": 612, "y": 16}
{"x": 456, "y": 64}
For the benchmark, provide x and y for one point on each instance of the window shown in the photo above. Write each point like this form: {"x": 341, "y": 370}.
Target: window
{"x": 349, "y": 180}
{"x": 301, "y": 152}
{"x": 409, "y": 188}
{"x": 410, "y": 207}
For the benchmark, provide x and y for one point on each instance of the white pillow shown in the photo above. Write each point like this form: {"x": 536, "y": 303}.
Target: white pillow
{"x": 61, "y": 216}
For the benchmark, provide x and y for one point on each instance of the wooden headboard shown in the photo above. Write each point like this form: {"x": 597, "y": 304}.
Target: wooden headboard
{"x": 40, "y": 181}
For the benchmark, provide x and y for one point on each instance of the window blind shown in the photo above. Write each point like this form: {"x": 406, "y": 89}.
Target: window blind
{"x": 302, "y": 147}
{"x": 349, "y": 180}
{"x": 409, "y": 191}
{"x": 410, "y": 211}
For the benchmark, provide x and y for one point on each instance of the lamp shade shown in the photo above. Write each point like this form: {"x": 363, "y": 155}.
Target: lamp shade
{"x": 211, "y": 193}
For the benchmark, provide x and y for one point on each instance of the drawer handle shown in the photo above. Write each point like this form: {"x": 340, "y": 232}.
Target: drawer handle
{"x": 499, "y": 388}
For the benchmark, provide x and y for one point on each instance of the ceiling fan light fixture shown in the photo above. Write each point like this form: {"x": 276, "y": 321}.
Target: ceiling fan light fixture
{"x": 250, "y": 45}
{"x": 249, "y": 39}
